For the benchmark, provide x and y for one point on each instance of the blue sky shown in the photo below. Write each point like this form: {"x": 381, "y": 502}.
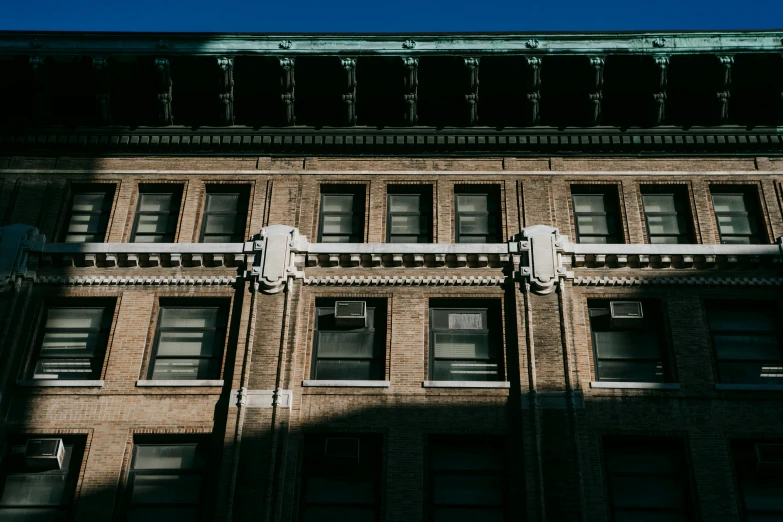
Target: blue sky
{"x": 386, "y": 16}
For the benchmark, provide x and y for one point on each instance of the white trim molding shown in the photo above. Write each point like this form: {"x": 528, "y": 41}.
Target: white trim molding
{"x": 345, "y": 384}
{"x": 182, "y": 383}
{"x": 748, "y": 387}
{"x": 60, "y": 383}
{"x": 611, "y": 385}
{"x": 502, "y": 385}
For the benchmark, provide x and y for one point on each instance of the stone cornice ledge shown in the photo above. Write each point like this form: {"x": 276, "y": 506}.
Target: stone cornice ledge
{"x": 635, "y": 385}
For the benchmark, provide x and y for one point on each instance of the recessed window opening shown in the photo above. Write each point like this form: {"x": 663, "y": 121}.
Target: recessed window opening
{"x": 737, "y": 215}
{"x": 157, "y": 214}
{"x": 477, "y": 214}
{"x": 88, "y": 218}
{"x": 409, "y": 214}
{"x": 596, "y": 213}
{"x": 667, "y": 213}
{"x": 341, "y": 217}
{"x": 225, "y": 214}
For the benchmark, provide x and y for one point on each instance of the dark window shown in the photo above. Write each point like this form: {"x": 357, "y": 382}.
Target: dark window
{"x": 477, "y": 214}
{"x": 36, "y": 494}
{"x": 747, "y": 341}
{"x": 465, "y": 340}
{"x": 157, "y": 214}
{"x": 166, "y": 482}
{"x": 736, "y": 211}
{"x": 342, "y": 214}
{"x": 408, "y": 216}
{"x": 188, "y": 343}
{"x": 225, "y": 214}
{"x": 341, "y": 478}
{"x": 758, "y": 466}
{"x": 466, "y": 479}
{"x": 89, "y": 215}
{"x": 626, "y": 347}
{"x": 349, "y": 351}
{"x": 667, "y": 213}
{"x": 648, "y": 479}
{"x": 74, "y": 342}
{"x": 596, "y": 214}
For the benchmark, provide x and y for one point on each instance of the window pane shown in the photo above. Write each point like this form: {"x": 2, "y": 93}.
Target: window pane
{"x": 63, "y": 369}
{"x": 155, "y": 202}
{"x": 404, "y": 203}
{"x": 465, "y": 457}
{"x": 648, "y": 516}
{"x": 404, "y": 239}
{"x": 34, "y": 489}
{"x": 472, "y": 203}
{"x": 341, "y": 513}
{"x": 163, "y": 514}
{"x": 405, "y": 224}
{"x": 667, "y": 240}
{"x": 33, "y": 515}
{"x": 467, "y": 515}
{"x": 189, "y": 317}
{"x": 86, "y": 223}
{"x": 468, "y": 490}
{"x": 641, "y": 461}
{"x": 748, "y": 346}
{"x": 222, "y": 202}
{"x": 69, "y": 344}
{"x": 334, "y": 203}
{"x": 595, "y": 240}
{"x": 589, "y": 203}
{"x": 184, "y": 369}
{"x": 346, "y": 344}
{"x": 166, "y": 489}
{"x": 194, "y": 344}
{"x": 348, "y": 370}
{"x": 666, "y": 224}
{"x": 220, "y": 224}
{"x": 751, "y": 373}
{"x": 74, "y": 318}
{"x": 736, "y": 225}
{"x": 465, "y": 371}
{"x": 763, "y": 495}
{"x": 155, "y": 224}
{"x": 89, "y": 202}
{"x": 594, "y": 224}
{"x": 649, "y": 492}
{"x": 630, "y": 371}
{"x": 340, "y": 490}
{"x": 729, "y": 202}
{"x": 463, "y": 346}
{"x": 186, "y": 456}
{"x": 739, "y": 319}
{"x": 466, "y": 321}
{"x": 659, "y": 203}
{"x": 626, "y": 344}
{"x": 338, "y": 224}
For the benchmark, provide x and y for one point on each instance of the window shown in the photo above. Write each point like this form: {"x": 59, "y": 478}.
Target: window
{"x": 477, "y": 216}
{"x": 225, "y": 214}
{"x": 188, "y": 343}
{"x": 73, "y": 342}
{"x": 466, "y": 479}
{"x": 347, "y": 351}
{"x": 759, "y": 472}
{"x": 157, "y": 214}
{"x": 89, "y": 215}
{"x": 648, "y": 479}
{"x": 408, "y": 216}
{"x": 596, "y": 214}
{"x": 465, "y": 339}
{"x": 736, "y": 211}
{"x": 341, "y": 478}
{"x": 747, "y": 341}
{"x": 342, "y": 214}
{"x": 626, "y": 340}
{"x": 38, "y": 494}
{"x": 166, "y": 482}
{"x": 667, "y": 213}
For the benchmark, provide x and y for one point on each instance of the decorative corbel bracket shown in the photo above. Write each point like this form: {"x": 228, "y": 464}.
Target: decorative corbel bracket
{"x": 226, "y": 88}
{"x": 541, "y": 248}
{"x": 274, "y": 260}
{"x": 287, "y": 84}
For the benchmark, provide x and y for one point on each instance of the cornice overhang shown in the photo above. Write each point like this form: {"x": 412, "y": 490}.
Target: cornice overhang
{"x": 473, "y": 141}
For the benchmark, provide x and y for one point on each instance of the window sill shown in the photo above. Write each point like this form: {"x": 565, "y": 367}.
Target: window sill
{"x": 635, "y": 385}
{"x": 749, "y": 387}
{"x": 467, "y": 384}
{"x": 198, "y": 382}
{"x": 345, "y": 384}
{"x": 60, "y": 383}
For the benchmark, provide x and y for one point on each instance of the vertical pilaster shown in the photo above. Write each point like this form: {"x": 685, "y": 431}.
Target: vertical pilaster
{"x": 287, "y": 90}
{"x": 532, "y": 94}
{"x": 659, "y": 95}
{"x": 349, "y": 95}
{"x": 100, "y": 66}
{"x": 164, "y": 85}
{"x": 226, "y": 94}
{"x": 597, "y": 85}
{"x": 472, "y": 97}
{"x": 411, "y": 85}
{"x": 724, "y": 86}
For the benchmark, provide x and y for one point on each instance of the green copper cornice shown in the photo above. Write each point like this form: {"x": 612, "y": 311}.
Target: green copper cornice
{"x": 665, "y": 43}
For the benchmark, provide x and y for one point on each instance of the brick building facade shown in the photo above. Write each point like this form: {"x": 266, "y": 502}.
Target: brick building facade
{"x": 569, "y": 288}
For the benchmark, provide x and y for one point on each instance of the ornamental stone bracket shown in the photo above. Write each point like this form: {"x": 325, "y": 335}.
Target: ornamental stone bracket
{"x": 16, "y": 242}
{"x": 274, "y": 260}
{"x": 541, "y": 260}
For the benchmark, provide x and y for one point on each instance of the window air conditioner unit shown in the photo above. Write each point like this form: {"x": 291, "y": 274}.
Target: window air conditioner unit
{"x": 769, "y": 459}
{"x": 342, "y": 451}
{"x": 44, "y": 454}
{"x": 351, "y": 313}
{"x": 626, "y": 314}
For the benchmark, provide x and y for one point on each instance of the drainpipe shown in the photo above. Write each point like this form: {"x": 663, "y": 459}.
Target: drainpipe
{"x": 531, "y": 370}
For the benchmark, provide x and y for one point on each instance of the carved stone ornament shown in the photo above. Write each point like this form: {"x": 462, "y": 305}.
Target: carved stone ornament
{"x": 36, "y": 43}
{"x": 274, "y": 264}
{"x": 408, "y": 44}
{"x": 163, "y": 44}
{"x": 532, "y": 44}
{"x": 285, "y": 44}
{"x": 659, "y": 42}
{"x": 544, "y": 267}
